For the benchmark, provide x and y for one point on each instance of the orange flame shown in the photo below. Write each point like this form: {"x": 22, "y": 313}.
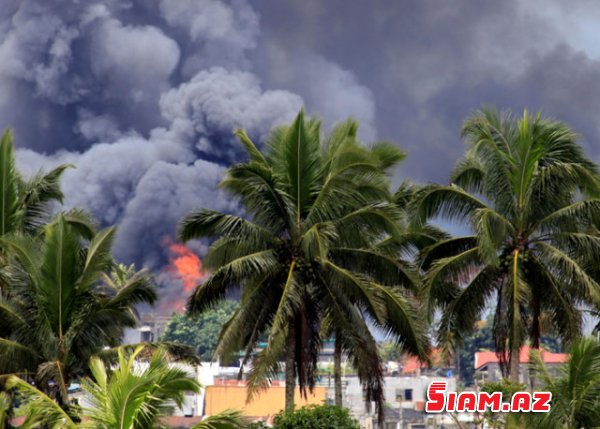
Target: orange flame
{"x": 186, "y": 265}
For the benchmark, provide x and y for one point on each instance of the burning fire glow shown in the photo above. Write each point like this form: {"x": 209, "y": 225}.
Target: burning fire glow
{"x": 185, "y": 265}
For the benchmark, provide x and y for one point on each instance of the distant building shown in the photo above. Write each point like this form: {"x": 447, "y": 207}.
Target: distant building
{"x": 150, "y": 328}
{"x": 411, "y": 365}
{"x": 228, "y": 394}
{"x": 487, "y": 365}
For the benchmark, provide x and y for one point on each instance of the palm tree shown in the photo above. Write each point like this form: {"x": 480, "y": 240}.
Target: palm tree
{"x": 528, "y": 192}
{"x": 306, "y": 260}
{"x": 133, "y": 396}
{"x": 575, "y": 389}
{"x": 25, "y": 205}
{"x": 409, "y": 237}
{"x": 57, "y": 312}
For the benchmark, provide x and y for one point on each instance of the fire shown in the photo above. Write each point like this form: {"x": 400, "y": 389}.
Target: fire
{"x": 186, "y": 265}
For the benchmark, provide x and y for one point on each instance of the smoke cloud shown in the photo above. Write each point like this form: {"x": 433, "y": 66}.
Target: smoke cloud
{"x": 143, "y": 95}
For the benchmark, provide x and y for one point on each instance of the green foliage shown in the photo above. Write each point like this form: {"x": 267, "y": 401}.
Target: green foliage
{"x": 575, "y": 388}
{"x": 25, "y": 204}
{"x": 504, "y": 420}
{"x": 257, "y": 425}
{"x": 529, "y": 195}
{"x": 316, "y": 417}
{"x": 6, "y": 409}
{"x": 200, "y": 331}
{"x": 507, "y": 387}
{"x": 307, "y": 256}
{"x": 132, "y": 396}
{"x": 389, "y": 351}
{"x": 39, "y": 409}
{"x": 58, "y": 311}
{"x": 228, "y": 419}
{"x": 481, "y": 339}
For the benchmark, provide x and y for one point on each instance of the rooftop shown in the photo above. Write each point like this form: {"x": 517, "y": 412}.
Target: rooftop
{"x": 483, "y": 358}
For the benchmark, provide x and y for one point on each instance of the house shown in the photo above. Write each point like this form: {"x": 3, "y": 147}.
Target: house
{"x": 411, "y": 365}
{"x": 151, "y": 327}
{"x": 487, "y": 365}
{"x": 405, "y": 400}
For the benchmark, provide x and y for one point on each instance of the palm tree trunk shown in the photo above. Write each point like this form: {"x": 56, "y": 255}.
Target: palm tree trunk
{"x": 513, "y": 374}
{"x": 535, "y": 337}
{"x": 337, "y": 370}
{"x": 290, "y": 374}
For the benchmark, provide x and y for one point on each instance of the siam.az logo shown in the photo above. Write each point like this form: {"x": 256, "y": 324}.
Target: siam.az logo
{"x": 439, "y": 400}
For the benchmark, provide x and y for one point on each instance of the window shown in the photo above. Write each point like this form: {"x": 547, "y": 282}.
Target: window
{"x": 399, "y": 397}
{"x": 404, "y": 395}
{"x": 147, "y": 337}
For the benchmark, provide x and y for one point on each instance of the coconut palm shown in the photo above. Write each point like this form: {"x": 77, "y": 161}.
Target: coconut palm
{"x": 575, "y": 388}
{"x": 305, "y": 258}
{"x": 25, "y": 204}
{"x": 40, "y": 410}
{"x": 133, "y": 396}
{"x": 57, "y": 312}
{"x": 409, "y": 237}
{"x": 528, "y": 192}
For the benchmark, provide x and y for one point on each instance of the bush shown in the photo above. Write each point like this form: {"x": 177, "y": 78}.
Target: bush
{"x": 316, "y": 417}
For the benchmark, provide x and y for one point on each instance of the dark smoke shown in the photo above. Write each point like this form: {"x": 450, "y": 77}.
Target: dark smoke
{"x": 143, "y": 95}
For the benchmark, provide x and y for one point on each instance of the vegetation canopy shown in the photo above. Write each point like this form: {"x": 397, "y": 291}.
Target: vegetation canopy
{"x": 529, "y": 194}
{"x": 306, "y": 257}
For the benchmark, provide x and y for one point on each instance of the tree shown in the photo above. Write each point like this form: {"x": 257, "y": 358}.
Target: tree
{"x": 389, "y": 351}
{"x": 133, "y": 396}
{"x": 25, "y": 204}
{"x": 200, "y": 331}
{"x": 528, "y": 192}
{"x": 57, "y": 312}
{"x": 316, "y": 417}
{"x": 306, "y": 260}
{"x": 130, "y": 398}
{"x": 495, "y": 420}
{"x": 575, "y": 389}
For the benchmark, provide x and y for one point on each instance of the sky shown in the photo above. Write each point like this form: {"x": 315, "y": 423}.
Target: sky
{"x": 143, "y": 95}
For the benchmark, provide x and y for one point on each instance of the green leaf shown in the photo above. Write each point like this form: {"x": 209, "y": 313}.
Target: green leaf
{"x": 59, "y": 274}
{"x": 8, "y": 184}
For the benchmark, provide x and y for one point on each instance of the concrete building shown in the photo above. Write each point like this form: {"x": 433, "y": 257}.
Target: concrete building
{"x": 487, "y": 365}
{"x": 405, "y": 397}
{"x": 150, "y": 328}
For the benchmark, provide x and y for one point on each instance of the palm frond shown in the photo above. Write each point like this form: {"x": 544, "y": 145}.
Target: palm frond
{"x": 41, "y": 410}
{"x": 228, "y": 419}
{"x": 8, "y": 184}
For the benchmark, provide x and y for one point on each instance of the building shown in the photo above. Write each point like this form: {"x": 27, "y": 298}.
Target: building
{"x": 405, "y": 398}
{"x": 487, "y": 365}
{"x": 149, "y": 329}
{"x": 411, "y": 365}
{"x": 232, "y": 394}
